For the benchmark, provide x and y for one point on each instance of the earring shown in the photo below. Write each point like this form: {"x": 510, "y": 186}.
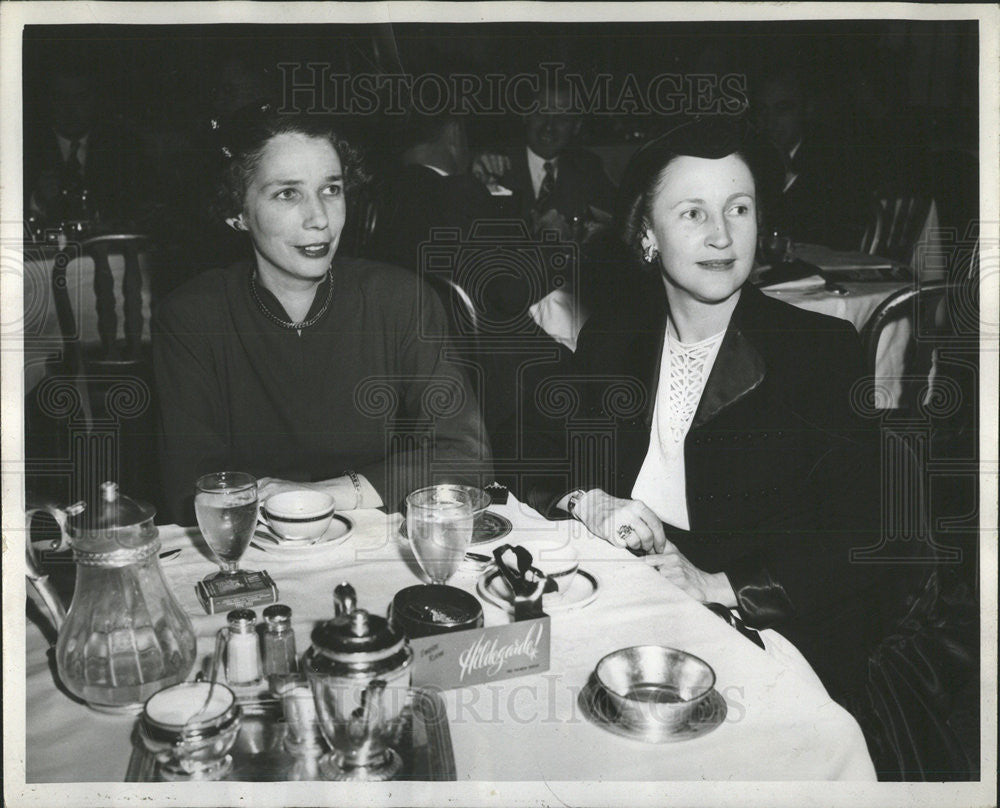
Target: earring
{"x": 236, "y": 222}
{"x": 649, "y": 252}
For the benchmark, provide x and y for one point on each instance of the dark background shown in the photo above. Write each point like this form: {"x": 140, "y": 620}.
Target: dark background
{"x": 912, "y": 79}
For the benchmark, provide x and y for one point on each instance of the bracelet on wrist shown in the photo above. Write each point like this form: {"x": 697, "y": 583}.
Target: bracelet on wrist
{"x": 357, "y": 487}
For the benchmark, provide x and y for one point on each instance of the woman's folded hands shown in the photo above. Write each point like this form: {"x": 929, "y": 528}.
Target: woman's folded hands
{"x": 631, "y": 523}
{"x": 623, "y": 522}
{"x": 708, "y": 587}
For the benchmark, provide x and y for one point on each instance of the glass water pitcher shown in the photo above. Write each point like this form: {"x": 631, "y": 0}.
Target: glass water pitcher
{"x": 125, "y": 636}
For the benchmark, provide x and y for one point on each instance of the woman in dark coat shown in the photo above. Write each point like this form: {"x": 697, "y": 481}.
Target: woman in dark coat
{"x": 712, "y": 427}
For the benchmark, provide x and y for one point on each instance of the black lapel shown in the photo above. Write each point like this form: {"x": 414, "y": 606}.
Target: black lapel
{"x": 652, "y": 368}
{"x": 739, "y": 368}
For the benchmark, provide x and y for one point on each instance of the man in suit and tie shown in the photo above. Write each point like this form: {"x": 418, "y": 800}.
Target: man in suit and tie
{"x": 824, "y": 196}
{"x": 76, "y": 165}
{"x": 553, "y": 184}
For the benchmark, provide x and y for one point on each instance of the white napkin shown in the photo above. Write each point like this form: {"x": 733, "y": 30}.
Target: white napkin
{"x": 558, "y": 315}
{"x": 798, "y": 285}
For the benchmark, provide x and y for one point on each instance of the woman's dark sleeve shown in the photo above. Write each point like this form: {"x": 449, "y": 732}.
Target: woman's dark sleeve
{"x": 191, "y": 408}
{"x": 804, "y": 559}
{"x": 439, "y": 433}
{"x": 549, "y": 401}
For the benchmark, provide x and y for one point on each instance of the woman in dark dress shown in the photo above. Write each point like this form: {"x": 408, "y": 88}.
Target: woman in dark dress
{"x": 720, "y": 434}
{"x": 304, "y": 367}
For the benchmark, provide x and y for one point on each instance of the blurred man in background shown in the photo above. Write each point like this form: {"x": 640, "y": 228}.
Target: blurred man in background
{"x": 431, "y": 189}
{"x": 825, "y": 197}
{"x": 79, "y": 161}
{"x": 553, "y": 183}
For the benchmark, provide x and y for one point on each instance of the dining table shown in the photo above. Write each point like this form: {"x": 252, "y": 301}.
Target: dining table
{"x": 780, "y": 724}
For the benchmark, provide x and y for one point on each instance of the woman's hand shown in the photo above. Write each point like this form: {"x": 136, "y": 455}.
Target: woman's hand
{"x": 623, "y": 522}
{"x": 708, "y": 587}
{"x": 269, "y": 486}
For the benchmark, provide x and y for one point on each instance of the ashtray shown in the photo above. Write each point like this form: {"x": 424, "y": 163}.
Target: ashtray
{"x": 426, "y": 609}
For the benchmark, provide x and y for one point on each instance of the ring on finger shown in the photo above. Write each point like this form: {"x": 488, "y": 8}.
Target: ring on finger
{"x": 625, "y": 531}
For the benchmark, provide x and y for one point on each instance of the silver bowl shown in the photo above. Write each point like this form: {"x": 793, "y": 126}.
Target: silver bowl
{"x": 653, "y": 689}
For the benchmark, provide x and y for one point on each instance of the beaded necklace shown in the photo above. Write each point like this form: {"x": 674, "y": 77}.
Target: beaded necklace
{"x": 287, "y": 323}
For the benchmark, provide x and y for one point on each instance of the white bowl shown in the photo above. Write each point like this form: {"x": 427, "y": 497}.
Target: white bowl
{"x": 302, "y": 515}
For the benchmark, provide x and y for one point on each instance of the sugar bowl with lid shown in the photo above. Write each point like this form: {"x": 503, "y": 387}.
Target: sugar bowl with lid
{"x": 359, "y": 671}
{"x": 190, "y": 728}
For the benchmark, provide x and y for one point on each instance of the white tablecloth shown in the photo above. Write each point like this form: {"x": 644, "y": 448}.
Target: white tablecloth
{"x": 781, "y": 725}
{"x": 856, "y": 307}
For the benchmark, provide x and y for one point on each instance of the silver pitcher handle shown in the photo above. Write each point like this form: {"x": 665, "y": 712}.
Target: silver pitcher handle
{"x": 47, "y": 598}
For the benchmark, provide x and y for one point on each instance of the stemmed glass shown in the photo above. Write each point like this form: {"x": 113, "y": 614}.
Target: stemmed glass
{"x": 439, "y": 523}
{"x": 226, "y": 507}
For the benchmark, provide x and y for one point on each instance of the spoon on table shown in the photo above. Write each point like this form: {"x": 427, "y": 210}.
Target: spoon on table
{"x": 220, "y": 641}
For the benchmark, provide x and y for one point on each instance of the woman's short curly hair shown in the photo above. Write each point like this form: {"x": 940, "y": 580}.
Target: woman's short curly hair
{"x": 247, "y": 133}
{"x": 711, "y": 138}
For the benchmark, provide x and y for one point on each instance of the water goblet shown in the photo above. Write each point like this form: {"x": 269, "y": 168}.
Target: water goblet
{"x": 226, "y": 507}
{"x": 439, "y": 522}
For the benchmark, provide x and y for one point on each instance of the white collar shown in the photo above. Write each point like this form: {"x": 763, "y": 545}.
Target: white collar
{"x": 791, "y": 176}
{"x": 65, "y": 143}
{"x": 439, "y": 171}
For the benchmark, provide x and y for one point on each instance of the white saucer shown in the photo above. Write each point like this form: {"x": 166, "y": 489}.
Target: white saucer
{"x": 341, "y": 528}
{"x": 582, "y": 592}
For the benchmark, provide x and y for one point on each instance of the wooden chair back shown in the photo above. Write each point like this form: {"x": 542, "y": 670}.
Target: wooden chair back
{"x": 895, "y": 225}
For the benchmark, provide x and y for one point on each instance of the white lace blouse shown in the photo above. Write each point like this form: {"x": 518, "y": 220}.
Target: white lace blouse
{"x": 684, "y": 370}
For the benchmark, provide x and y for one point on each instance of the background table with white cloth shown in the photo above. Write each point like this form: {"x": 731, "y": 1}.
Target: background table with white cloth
{"x": 862, "y": 298}
{"x": 781, "y": 724}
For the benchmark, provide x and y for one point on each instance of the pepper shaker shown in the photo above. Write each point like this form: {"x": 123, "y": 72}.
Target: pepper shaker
{"x": 278, "y": 640}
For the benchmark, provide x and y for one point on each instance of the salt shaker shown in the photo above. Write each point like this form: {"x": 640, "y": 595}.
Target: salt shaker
{"x": 278, "y": 640}
{"x": 242, "y": 653}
